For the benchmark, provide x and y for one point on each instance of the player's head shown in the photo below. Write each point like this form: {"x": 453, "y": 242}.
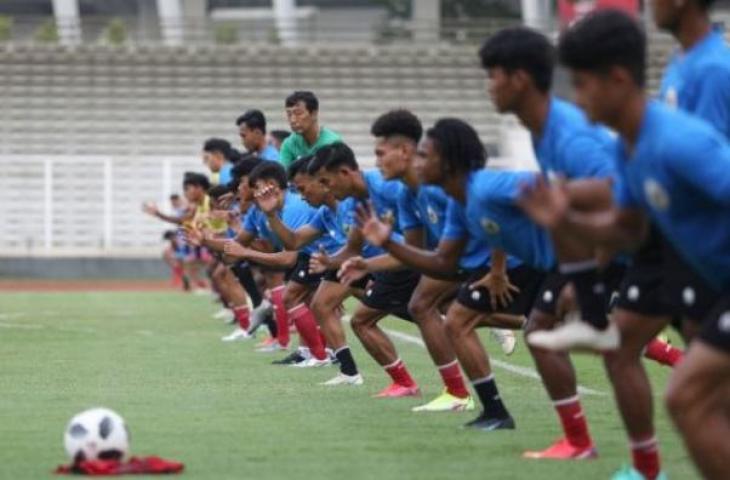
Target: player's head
{"x": 277, "y": 137}
{"x": 397, "y": 134}
{"x": 335, "y": 168}
{"x": 606, "y": 54}
{"x": 669, "y": 13}
{"x": 176, "y": 201}
{"x": 267, "y": 174}
{"x": 216, "y": 152}
{"x": 517, "y": 60}
{"x": 216, "y": 192}
{"x": 170, "y": 236}
{"x": 252, "y": 129}
{"x": 308, "y": 187}
{"x": 240, "y": 174}
{"x": 302, "y": 111}
{"x": 195, "y": 185}
{"x": 451, "y": 148}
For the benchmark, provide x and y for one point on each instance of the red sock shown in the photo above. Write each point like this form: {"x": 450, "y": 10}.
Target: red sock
{"x": 177, "y": 275}
{"x": 663, "y": 352}
{"x": 574, "y": 422}
{"x": 282, "y": 319}
{"x": 242, "y": 315}
{"x": 322, "y": 338}
{"x": 308, "y": 331}
{"x": 399, "y": 373}
{"x": 453, "y": 379}
{"x": 646, "y": 457}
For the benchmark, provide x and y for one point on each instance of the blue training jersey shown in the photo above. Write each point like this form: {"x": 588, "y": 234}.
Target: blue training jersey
{"x": 423, "y": 207}
{"x": 294, "y": 214}
{"x": 269, "y": 153}
{"x": 384, "y": 196}
{"x": 492, "y": 216}
{"x": 225, "y": 174}
{"x": 698, "y": 81}
{"x": 683, "y": 182}
{"x": 571, "y": 147}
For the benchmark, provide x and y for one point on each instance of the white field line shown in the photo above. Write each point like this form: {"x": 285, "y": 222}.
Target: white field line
{"x": 516, "y": 369}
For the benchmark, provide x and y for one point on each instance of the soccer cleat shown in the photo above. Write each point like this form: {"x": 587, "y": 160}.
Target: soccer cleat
{"x": 342, "y": 379}
{"x": 488, "y": 424}
{"x": 238, "y": 335}
{"x": 563, "y": 450}
{"x": 630, "y": 473}
{"x": 395, "y": 390}
{"x": 506, "y": 339}
{"x": 291, "y": 359}
{"x": 225, "y": 314}
{"x": 576, "y": 335}
{"x": 446, "y": 403}
{"x": 272, "y": 348}
{"x": 259, "y": 315}
{"x": 312, "y": 362}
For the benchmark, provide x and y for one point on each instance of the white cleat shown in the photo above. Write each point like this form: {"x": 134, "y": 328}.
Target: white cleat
{"x": 224, "y": 314}
{"x": 237, "y": 335}
{"x": 506, "y": 339}
{"x": 312, "y": 362}
{"x": 342, "y": 379}
{"x": 577, "y": 335}
{"x": 272, "y": 348}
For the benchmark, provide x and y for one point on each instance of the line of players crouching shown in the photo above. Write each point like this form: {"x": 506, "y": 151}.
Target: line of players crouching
{"x": 433, "y": 237}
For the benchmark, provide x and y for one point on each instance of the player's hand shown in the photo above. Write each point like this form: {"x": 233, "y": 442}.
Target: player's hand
{"x": 373, "y": 229}
{"x": 352, "y": 270}
{"x": 226, "y": 200}
{"x": 193, "y": 236}
{"x": 267, "y": 198}
{"x": 234, "y": 249}
{"x": 150, "y": 208}
{"x": 499, "y": 287}
{"x": 319, "y": 261}
{"x": 545, "y": 203}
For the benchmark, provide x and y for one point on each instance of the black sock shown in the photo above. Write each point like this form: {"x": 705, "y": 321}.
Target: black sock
{"x": 271, "y": 325}
{"x": 590, "y": 291}
{"x": 487, "y": 392}
{"x": 347, "y": 363}
{"x": 243, "y": 273}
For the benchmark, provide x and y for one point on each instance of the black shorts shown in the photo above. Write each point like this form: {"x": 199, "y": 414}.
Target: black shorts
{"x": 716, "y": 325}
{"x": 527, "y": 279}
{"x": 299, "y": 273}
{"x": 683, "y": 290}
{"x": 391, "y": 292}
{"x": 552, "y": 286}
{"x": 331, "y": 276}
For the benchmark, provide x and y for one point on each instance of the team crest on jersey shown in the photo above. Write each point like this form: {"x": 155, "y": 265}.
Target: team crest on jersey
{"x": 388, "y": 216}
{"x": 490, "y": 226}
{"x": 433, "y": 217}
{"x": 671, "y": 98}
{"x": 655, "y": 194}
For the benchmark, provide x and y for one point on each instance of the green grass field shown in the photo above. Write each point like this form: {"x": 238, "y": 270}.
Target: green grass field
{"x": 227, "y": 413}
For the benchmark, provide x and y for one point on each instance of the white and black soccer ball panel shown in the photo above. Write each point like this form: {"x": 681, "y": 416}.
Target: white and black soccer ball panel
{"x": 97, "y": 433}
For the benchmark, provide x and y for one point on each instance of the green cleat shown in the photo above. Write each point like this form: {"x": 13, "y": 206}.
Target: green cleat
{"x": 630, "y": 473}
{"x": 446, "y": 403}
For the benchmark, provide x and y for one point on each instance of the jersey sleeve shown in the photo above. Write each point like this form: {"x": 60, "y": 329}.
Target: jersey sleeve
{"x": 407, "y": 216}
{"x": 705, "y": 164}
{"x": 249, "y": 223}
{"x": 586, "y": 156}
{"x": 713, "y": 98}
{"x": 317, "y": 221}
{"x": 286, "y": 154}
{"x": 455, "y": 225}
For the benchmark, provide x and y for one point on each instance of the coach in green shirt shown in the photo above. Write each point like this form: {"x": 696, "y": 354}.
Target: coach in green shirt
{"x": 302, "y": 112}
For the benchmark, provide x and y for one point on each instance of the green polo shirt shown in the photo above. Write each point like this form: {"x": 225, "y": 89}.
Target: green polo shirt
{"x": 296, "y": 146}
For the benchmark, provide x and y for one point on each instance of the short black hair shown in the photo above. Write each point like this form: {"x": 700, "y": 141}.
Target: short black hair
{"x": 458, "y": 145}
{"x": 399, "y": 122}
{"x": 218, "y": 191}
{"x": 268, "y": 170}
{"x": 308, "y": 98}
{"x": 254, "y": 119}
{"x": 299, "y": 165}
{"x": 280, "y": 135}
{"x": 331, "y": 157}
{"x": 169, "y": 235}
{"x": 175, "y": 196}
{"x": 197, "y": 180}
{"x": 243, "y": 168}
{"x": 521, "y": 48}
{"x": 217, "y": 145}
{"x": 604, "y": 39}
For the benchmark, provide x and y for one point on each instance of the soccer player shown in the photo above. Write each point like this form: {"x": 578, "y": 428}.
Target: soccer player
{"x": 219, "y": 156}
{"x": 481, "y": 216}
{"x": 252, "y": 130}
{"x": 686, "y": 200}
{"x": 302, "y": 112}
{"x": 421, "y": 216}
{"x": 336, "y": 168}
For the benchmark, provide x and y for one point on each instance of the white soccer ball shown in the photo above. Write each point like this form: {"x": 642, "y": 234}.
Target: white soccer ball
{"x": 96, "y": 434}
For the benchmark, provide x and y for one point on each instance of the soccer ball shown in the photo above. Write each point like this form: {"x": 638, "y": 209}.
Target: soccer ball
{"x": 96, "y": 434}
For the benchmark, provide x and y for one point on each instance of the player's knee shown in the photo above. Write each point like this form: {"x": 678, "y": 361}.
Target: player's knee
{"x": 454, "y": 325}
{"x": 678, "y": 400}
{"x": 419, "y": 307}
{"x": 538, "y": 321}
